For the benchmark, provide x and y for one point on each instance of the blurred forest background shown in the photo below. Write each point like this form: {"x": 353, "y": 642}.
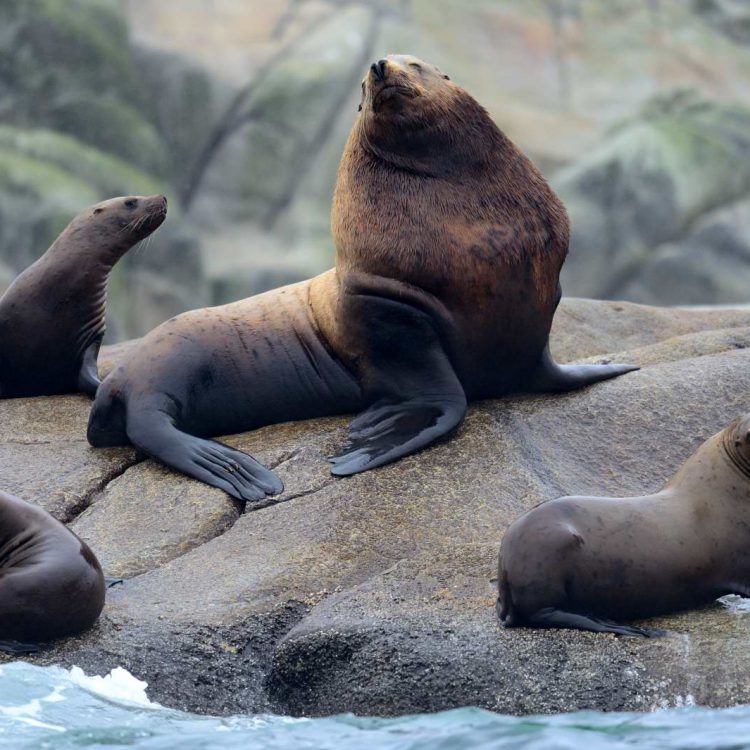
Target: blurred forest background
{"x": 637, "y": 111}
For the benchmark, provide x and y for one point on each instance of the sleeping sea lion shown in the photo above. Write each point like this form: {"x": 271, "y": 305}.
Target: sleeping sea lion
{"x": 449, "y": 246}
{"x": 51, "y": 584}
{"x": 589, "y": 563}
{"x": 52, "y": 315}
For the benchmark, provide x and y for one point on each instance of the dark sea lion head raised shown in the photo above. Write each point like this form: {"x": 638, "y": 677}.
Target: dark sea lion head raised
{"x": 52, "y": 317}
{"x": 113, "y": 226}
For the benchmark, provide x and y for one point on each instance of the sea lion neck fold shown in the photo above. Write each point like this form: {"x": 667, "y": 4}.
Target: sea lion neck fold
{"x": 736, "y": 443}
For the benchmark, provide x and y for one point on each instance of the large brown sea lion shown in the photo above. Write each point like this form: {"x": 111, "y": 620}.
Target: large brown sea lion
{"x": 51, "y": 584}
{"x": 52, "y": 315}
{"x": 588, "y": 562}
{"x": 449, "y": 246}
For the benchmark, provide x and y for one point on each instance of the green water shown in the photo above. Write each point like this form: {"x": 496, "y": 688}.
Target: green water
{"x": 49, "y": 707}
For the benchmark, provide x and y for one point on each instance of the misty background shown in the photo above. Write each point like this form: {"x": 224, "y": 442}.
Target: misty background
{"x": 637, "y": 112}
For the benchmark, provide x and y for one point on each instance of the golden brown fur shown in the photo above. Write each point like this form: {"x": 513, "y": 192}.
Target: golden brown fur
{"x": 456, "y": 211}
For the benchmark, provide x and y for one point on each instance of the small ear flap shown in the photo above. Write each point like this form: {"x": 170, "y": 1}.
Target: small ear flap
{"x": 98, "y": 210}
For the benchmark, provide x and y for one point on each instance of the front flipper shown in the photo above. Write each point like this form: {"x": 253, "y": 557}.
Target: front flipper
{"x": 88, "y": 376}
{"x": 549, "y": 617}
{"x": 414, "y": 394}
{"x": 235, "y": 472}
{"x": 550, "y": 377}
{"x": 391, "y": 429}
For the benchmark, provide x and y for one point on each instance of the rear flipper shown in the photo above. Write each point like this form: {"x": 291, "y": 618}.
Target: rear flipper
{"x": 549, "y": 617}
{"x": 15, "y": 647}
{"x": 550, "y": 377}
{"x": 239, "y": 475}
{"x": 415, "y": 396}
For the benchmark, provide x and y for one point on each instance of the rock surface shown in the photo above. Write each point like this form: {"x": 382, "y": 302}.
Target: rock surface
{"x": 375, "y": 594}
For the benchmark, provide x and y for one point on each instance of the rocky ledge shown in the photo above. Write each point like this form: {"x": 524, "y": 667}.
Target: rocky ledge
{"x": 375, "y": 594}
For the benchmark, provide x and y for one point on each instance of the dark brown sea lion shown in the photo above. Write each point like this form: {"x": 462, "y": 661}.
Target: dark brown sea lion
{"x": 449, "y": 246}
{"x": 51, "y": 584}
{"x": 52, "y": 315}
{"x": 588, "y": 562}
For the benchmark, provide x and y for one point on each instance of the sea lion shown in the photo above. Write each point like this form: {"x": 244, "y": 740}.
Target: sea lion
{"x": 52, "y": 315}
{"x": 589, "y": 562}
{"x": 448, "y": 250}
{"x": 51, "y": 584}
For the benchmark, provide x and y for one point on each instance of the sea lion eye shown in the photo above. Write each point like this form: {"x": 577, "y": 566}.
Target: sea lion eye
{"x": 98, "y": 210}
{"x": 447, "y": 78}
{"x": 131, "y": 203}
{"x": 416, "y": 65}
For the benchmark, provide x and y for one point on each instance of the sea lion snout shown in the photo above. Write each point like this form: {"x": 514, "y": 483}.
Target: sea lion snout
{"x": 379, "y": 69}
{"x": 157, "y": 204}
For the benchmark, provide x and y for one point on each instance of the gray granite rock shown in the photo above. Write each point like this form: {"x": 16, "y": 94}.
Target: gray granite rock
{"x": 375, "y": 594}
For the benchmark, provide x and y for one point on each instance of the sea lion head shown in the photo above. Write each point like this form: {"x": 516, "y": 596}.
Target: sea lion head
{"x": 414, "y": 116}
{"x": 737, "y": 442}
{"x": 117, "y": 224}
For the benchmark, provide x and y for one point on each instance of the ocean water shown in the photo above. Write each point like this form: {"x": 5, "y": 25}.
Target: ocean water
{"x": 53, "y": 708}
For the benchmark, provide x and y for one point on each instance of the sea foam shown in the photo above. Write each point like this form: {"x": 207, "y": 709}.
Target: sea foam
{"x": 119, "y": 686}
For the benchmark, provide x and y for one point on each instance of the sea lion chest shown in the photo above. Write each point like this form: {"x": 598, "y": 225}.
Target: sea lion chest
{"x": 480, "y": 259}
{"x": 48, "y": 317}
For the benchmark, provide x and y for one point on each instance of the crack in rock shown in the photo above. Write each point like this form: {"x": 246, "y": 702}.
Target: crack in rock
{"x": 277, "y": 500}
{"x": 86, "y": 500}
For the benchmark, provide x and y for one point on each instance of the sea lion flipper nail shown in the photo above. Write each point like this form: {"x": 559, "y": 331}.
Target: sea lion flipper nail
{"x": 88, "y": 377}
{"x": 398, "y": 429}
{"x": 551, "y": 377}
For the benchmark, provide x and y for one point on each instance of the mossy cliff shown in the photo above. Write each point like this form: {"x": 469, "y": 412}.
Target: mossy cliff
{"x": 658, "y": 209}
